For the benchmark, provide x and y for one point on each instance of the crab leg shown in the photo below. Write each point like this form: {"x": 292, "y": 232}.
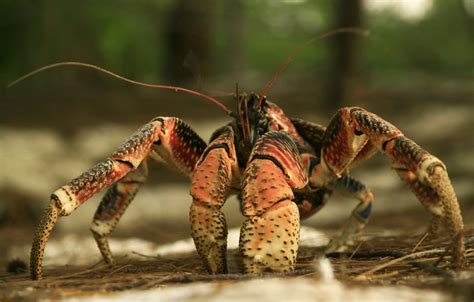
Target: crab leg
{"x": 211, "y": 182}
{"x": 65, "y": 200}
{"x": 428, "y": 178}
{"x": 113, "y": 205}
{"x": 45, "y": 227}
{"x": 348, "y": 134}
{"x": 427, "y": 169}
{"x": 427, "y": 197}
{"x": 170, "y": 138}
{"x": 269, "y": 237}
{"x": 351, "y": 187}
{"x": 310, "y": 202}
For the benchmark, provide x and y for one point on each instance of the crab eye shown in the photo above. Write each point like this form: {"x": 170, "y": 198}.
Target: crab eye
{"x": 260, "y": 130}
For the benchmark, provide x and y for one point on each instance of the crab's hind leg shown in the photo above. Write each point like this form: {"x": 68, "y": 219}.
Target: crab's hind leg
{"x": 113, "y": 205}
{"x": 269, "y": 236}
{"x": 211, "y": 183}
{"x": 347, "y": 185}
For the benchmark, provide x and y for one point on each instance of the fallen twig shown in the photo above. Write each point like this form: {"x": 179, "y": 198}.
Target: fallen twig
{"x": 365, "y": 255}
{"x": 420, "y": 242}
{"x": 355, "y": 251}
{"x": 412, "y": 256}
{"x": 94, "y": 268}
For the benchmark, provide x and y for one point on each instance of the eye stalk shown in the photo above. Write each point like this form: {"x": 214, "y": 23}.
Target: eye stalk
{"x": 242, "y": 112}
{"x": 251, "y": 118}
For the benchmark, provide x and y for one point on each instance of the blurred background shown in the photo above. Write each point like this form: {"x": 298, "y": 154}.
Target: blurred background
{"x": 415, "y": 69}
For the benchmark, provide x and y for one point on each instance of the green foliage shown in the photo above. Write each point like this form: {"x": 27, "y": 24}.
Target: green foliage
{"x": 128, "y": 37}
{"x": 439, "y": 45}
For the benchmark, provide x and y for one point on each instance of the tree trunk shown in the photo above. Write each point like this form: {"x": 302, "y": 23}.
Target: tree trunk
{"x": 188, "y": 35}
{"x": 343, "y": 80}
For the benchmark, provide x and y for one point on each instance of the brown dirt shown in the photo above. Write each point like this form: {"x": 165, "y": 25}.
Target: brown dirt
{"x": 154, "y": 272}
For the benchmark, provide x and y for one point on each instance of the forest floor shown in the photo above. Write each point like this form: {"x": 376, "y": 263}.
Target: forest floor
{"x": 173, "y": 272}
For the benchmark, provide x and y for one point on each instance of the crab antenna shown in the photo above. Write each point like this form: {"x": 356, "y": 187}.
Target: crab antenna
{"x": 204, "y": 96}
{"x": 239, "y": 112}
{"x": 351, "y": 30}
{"x": 247, "y": 120}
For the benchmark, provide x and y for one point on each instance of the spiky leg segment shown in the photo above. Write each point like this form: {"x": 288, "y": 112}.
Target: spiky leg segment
{"x": 211, "y": 182}
{"x": 112, "y": 207}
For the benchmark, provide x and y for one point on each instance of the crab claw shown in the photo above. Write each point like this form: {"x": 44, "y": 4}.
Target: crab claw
{"x": 45, "y": 227}
{"x": 269, "y": 236}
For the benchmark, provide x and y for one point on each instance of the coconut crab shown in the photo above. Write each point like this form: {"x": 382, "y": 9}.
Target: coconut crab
{"x": 284, "y": 169}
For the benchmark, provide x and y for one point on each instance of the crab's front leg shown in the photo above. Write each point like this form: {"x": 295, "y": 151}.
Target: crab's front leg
{"x": 269, "y": 237}
{"x": 354, "y": 131}
{"x": 211, "y": 183}
{"x": 69, "y": 197}
{"x": 126, "y": 169}
{"x": 423, "y": 172}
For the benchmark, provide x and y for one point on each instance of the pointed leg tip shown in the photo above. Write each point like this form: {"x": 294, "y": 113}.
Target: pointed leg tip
{"x": 45, "y": 227}
{"x": 459, "y": 250}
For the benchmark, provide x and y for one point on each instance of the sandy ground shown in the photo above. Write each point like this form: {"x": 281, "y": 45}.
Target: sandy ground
{"x": 172, "y": 272}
